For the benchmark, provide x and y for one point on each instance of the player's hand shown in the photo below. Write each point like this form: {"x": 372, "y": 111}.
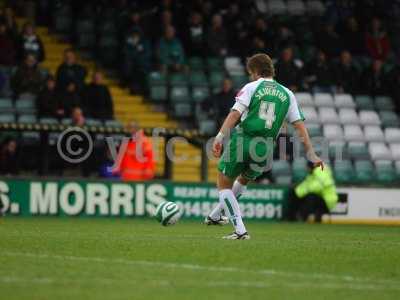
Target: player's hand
{"x": 316, "y": 160}
{"x": 217, "y": 148}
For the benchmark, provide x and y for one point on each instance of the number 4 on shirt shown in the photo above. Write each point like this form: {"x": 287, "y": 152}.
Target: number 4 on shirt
{"x": 267, "y": 113}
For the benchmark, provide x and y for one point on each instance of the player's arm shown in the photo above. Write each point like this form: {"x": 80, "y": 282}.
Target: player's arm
{"x": 302, "y": 132}
{"x": 230, "y": 122}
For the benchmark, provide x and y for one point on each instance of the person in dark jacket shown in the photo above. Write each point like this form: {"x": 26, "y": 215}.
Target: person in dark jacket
{"x": 319, "y": 75}
{"x": 287, "y": 72}
{"x": 70, "y": 99}
{"x": 97, "y": 102}
{"x": 48, "y": 100}
{"x": 30, "y": 43}
{"x": 346, "y": 74}
{"x": 7, "y": 47}
{"x": 27, "y": 78}
{"x": 8, "y": 157}
{"x": 373, "y": 79}
{"x": 70, "y": 71}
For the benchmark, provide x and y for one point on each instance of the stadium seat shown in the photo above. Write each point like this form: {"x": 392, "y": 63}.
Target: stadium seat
{"x": 281, "y": 167}
{"x": 384, "y": 103}
{"x": 108, "y": 49}
{"x": 178, "y": 79}
{"x": 276, "y": 7}
{"x": 344, "y": 172}
{"x": 333, "y": 132}
{"x": 397, "y": 167}
{"x": 25, "y": 106}
{"x": 392, "y": 135}
{"x": 196, "y": 63}
{"x": 159, "y": 93}
{"x": 207, "y": 127}
{"x": 389, "y": 119}
{"x": 304, "y": 99}
{"x": 358, "y": 150}
{"x": 353, "y": 133}
{"x": 216, "y": 79}
{"x": 328, "y": 115}
{"x": 344, "y": 101}
{"x": 385, "y": 172}
{"x": 93, "y": 122}
{"x": 234, "y": 66}
{"x": 85, "y": 31}
{"x": 311, "y": 115}
{"x": 197, "y": 79}
{"x": 315, "y": 8}
{"x": 156, "y": 78}
{"x": 182, "y": 110}
{"x": 50, "y": 121}
{"x": 314, "y": 129}
{"x": 364, "y": 171}
{"x": 66, "y": 121}
{"x": 27, "y": 119}
{"x": 323, "y": 100}
{"x": 62, "y": 19}
{"x": 7, "y": 118}
{"x": 364, "y": 102}
{"x": 215, "y": 64}
{"x": 369, "y": 117}
{"x": 337, "y": 150}
{"x": 113, "y": 124}
{"x": 379, "y": 151}
{"x": 239, "y": 81}
{"x": 299, "y": 170}
{"x": 395, "y": 150}
{"x": 6, "y": 105}
{"x": 348, "y": 116}
{"x": 295, "y": 8}
{"x": 200, "y": 93}
{"x": 179, "y": 94}
{"x": 373, "y": 134}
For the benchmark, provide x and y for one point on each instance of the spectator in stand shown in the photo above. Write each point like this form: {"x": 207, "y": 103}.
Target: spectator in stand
{"x": 219, "y": 104}
{"x": 137, "y": 61}
{"x": 134, "y": 23}
{"x": 377, "y": 41}
{"x": 77, "y": 117}
{"x": 70, "y": 71}
{"x": 9, "y": 157}
{"x": 283, "y": 39}
{"x": 346, "y": 74}
{"x": 373, "y": 79}
{"x": 97, "y": 102}
{"x": 27, "y": 78}
{"x": 70, "y": 99}
{"x": 329, "y": 41}
{"x": 30, "y": 43}
{"x": 8, "y": 16}
{"x": 288, "y": 72}
{"x": 170, "y": 51}
{"x": 353, "y": 38}
{"x": 48, "y": 101}
{"x": 137, "y": 162}
{"x": 7, "y": 47}
{"x": 319, "y": 75}
{"x": 262, "y": 31}
{"x": 217, "y": 38}
{"x": 195, "y": 35}
{"x": 258, "y": 46}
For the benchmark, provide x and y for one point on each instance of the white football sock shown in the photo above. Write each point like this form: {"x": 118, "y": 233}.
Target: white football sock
{"x": 231, "y": 207}
{"x": 238, "y": 189}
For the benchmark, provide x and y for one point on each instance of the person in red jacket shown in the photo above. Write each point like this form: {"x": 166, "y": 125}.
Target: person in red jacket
{"x": 377, "y": 41}
{"x": 137, "y": 161}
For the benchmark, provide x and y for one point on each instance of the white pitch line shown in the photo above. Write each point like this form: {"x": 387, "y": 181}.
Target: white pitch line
{"x": 267, "y": 272}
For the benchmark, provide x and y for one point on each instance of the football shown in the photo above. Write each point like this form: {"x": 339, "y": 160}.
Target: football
{"x": 168, "y": 213}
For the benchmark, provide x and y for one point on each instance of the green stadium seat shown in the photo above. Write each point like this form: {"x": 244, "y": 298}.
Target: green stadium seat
{"x": 159, "y": 93}
{"x": 337, "y": 150}
{"x": 300, "y": 171}
{"x": 108, "y": 27}
{"x": 28, "y": 119}
{"x": 25, "y": 106}
{"x": 182, "y": 110}
{"x": 178, "y": 79}
{"x": 7, "y": 118}
{"x": 281, "y": 168}
{"x": 6, "y": 105}
{"x": 200, "y": 93}
{"x": 93, "y": 122}
{"x": 389, "y": 119}
{"x": 198, "y": 79}
{"x": 63, "y": 19}
{"x": 196, "y": 63}
{"x": 364, "y": 102}
{"x": 364, "y": 171}
{"x": 215, "y": 64}
{"x": 207, "y": 127}
{"x": 50, "y": 121}
{"x": 384, "y": 103}
{"x": 314, "y": 130}
{"x": 344, "y": 172}
{"x": 156, "y": 78}
{"x": 66, "y": 121}
{"x": 385, "y": 172}
{"x": 283, "y": 180}
{"x": 179, "y": 94}
{"x": 358, "y": 151}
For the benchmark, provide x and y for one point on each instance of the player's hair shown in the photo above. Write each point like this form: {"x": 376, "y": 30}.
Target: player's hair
{"x": 261, "y": 64}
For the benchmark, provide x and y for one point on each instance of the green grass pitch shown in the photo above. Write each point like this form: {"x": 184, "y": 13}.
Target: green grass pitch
{"x": 67, "y": 258}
